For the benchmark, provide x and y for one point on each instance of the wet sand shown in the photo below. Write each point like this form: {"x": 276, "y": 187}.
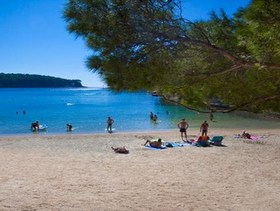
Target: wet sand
{"x": 81, "y": 172}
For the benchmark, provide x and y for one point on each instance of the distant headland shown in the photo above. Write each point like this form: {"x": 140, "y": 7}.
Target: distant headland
{"x": 12, "y": 80}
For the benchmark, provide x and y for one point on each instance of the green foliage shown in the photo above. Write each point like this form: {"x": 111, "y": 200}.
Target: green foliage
{"x": 261, "y": 33}
{"x": 148, "y": 45}
{"x": 35, "y": 81}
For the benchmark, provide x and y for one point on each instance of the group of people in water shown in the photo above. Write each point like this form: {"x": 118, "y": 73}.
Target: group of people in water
{"x": 153, "y": 117}
{"x": 24, "y": 112}
{"x": 35, "y": 126}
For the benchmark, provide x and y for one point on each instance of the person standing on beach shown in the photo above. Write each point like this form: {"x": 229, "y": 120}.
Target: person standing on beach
{"x": 183, "y": 126}
{"x": 211, "y": 116}
{"x": 110, "y": 122}
{"x": 204, "y": 128}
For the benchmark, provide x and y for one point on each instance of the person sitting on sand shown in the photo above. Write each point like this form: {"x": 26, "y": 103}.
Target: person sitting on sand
{"x": 121, "y": 150}
{"x": 203, "y": 140}
{"x": 156, "y": 144}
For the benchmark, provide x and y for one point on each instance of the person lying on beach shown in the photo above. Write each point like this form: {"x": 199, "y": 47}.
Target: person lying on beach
{"x": 246, "y": 135}
{"x": 156, "y": 144}
{"x": 121, "y": 150}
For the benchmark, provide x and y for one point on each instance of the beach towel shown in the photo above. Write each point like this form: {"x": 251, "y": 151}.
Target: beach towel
{"x": 156, "y": 148}
{"x": 202, "y": 144}
{"x": 177, "y": 144}
{"x": 254, "y": 138}
{"x": 173, "y": 144}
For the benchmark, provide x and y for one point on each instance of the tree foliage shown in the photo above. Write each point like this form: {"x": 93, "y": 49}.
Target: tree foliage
{"x": 148, "y": 44}
{"x": 35, "y": 81}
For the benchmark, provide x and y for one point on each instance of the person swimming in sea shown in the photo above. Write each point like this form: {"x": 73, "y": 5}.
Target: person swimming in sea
{"x": 35, "y": 126}
{"x": 69, "y": 127}
{"x": 151, "y": 115}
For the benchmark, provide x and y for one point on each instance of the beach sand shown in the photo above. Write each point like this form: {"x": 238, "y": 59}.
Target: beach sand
{"x": 81, "y": 172}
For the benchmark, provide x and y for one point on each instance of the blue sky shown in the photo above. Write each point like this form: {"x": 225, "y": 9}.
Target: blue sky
{"x": 34, "y": 39}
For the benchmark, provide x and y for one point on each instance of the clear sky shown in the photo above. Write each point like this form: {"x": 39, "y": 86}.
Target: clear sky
{"x": 34, "y": 38}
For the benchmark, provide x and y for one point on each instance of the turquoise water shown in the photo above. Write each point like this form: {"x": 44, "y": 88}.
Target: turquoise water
{"x": 87, "y": 110}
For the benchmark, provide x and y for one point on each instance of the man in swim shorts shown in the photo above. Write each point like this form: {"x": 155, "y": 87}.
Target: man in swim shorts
{"x": 183, "y": 126}
{"x": 156, "y": 144}
{"x": 110, "y": 122}
{"x": 204, "y": 128}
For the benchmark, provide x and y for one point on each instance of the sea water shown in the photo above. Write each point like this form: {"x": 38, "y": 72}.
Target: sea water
{"x": 87, "y": 109}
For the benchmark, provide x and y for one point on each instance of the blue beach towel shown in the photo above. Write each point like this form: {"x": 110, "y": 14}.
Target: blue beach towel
{"x": 177, "y": 144}
{"x": 156, "y": 148}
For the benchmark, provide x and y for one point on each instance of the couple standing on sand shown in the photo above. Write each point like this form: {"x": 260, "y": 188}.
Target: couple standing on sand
{"x": 183, "y": 126}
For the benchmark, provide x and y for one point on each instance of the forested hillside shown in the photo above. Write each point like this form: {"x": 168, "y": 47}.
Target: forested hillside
{"x": 35, "y": 81}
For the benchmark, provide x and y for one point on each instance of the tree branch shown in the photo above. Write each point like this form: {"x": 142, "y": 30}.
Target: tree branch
{"x": 257, "y": 100}
{"x": 233, "y": 68}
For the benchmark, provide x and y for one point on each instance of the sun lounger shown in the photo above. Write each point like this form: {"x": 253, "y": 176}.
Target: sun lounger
{"x": 216, "y": 140}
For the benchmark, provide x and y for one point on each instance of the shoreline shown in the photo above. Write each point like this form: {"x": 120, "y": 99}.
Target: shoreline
{"x": 81, "y": 172}
{"x": 190, "y": 131}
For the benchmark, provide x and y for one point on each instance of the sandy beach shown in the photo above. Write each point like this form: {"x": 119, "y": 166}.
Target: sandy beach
{"x": 81, "y": 172}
